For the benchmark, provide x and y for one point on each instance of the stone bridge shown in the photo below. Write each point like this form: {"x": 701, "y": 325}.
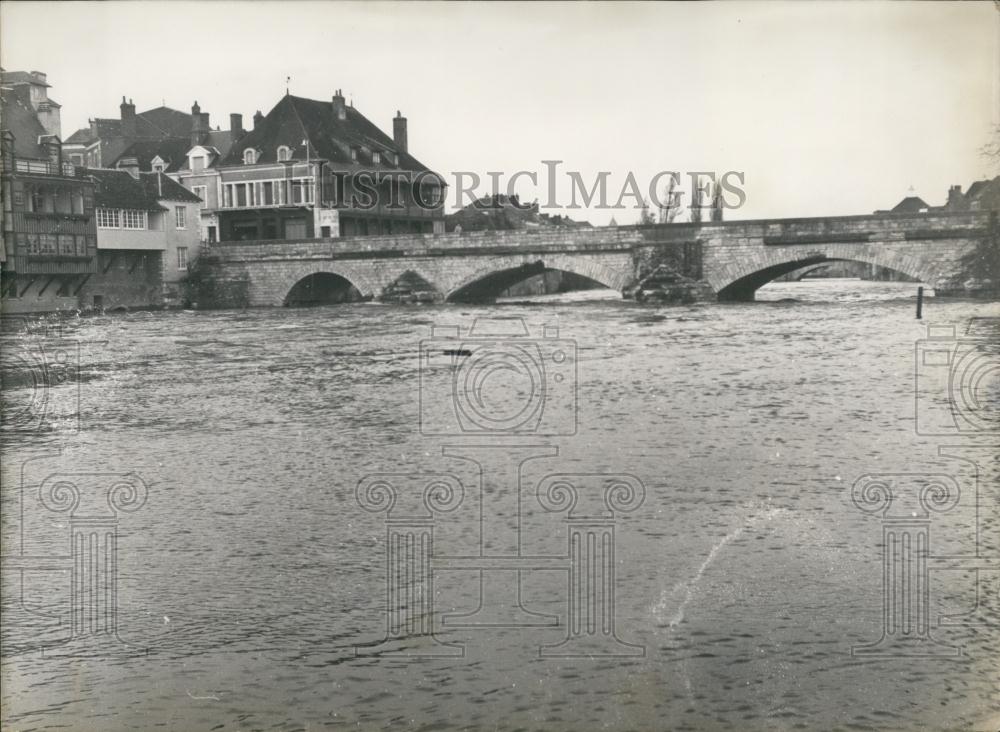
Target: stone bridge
{"x": 732, "y": 258}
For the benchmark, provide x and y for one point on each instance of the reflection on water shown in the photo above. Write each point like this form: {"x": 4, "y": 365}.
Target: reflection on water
{"x": 251, "y": 574}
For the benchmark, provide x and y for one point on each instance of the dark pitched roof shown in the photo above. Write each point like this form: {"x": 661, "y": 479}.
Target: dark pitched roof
{"x": 153, "y": 124}
{"x": 118, "y": 189}
{"x": 172, "y": 150}
{"x": 910, "y": 204}
{"x": 975, "y": 188}
{"x": 221, "y": 140}
{"x": 20, "y": 119}
{"x": 294, "y": 119}
{"x": 162, "y": 188}
{"x": 162, "y": 122}
{"x": 105, "y": 129}
{"x": 9, "y": 78}
{"x": 80, "y": 137}
{"x": 984, "y": 194}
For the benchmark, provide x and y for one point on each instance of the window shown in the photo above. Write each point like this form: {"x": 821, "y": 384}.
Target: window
{"x": 431, "y": 196}
{"x": 48, "y": 243}
{"x": 354, "y": 153}
{"x": 108, "y": 218}
{"x": 202, "y": 193}
{"x": 211, "y": 235}
{"x": 249, "y": 156}
{"x": 67, "y": 245}
{"x": 268, "y": 193}
{"x": 76, "y": 159}
{"x": 182, "y": 258}
{"x": 34, "y": 244}
{"x": 197, "y": 162}
{"x": 376, "y": 157}
{"x": 159, "y": 167}
{"x": 133, "y": 219}
{"x": 180, "y": 217}
{"x": 284, "y": 154}
{"x": 81, "y": 246}
{"x": 302, "y": 190}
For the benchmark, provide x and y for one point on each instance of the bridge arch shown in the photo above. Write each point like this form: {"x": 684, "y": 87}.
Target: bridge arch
{"x": 297, "y": 276}
{"x": 739, "y": 281}
{"x": 506, "y": 271}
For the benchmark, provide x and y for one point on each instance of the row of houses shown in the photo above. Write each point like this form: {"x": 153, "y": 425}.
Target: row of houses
{"x": 982, "y": 195}
{"x": 114, "y": 215}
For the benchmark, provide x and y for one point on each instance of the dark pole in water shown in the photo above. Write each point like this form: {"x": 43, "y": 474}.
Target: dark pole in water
{"x": 920, "y": 302}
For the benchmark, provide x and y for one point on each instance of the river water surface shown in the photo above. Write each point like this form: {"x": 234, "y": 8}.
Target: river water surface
{"x": 256, "y": 585}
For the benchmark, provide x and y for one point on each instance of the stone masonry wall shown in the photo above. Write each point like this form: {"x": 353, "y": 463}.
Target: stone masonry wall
{"x": 931, "y": 248}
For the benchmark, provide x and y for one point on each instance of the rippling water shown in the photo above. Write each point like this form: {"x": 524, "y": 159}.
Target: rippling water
{"x": 256, "y": 583}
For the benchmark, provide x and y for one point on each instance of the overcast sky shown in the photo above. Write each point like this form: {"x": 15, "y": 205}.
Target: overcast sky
{"x": 827, "y": 108}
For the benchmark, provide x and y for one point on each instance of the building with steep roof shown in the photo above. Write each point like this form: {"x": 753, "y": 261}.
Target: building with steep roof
{"x": 321, "y": 169}
{"x": 983, "y": 195}
{"x": 48, "y": 248}
{"x": 160, "y": 132}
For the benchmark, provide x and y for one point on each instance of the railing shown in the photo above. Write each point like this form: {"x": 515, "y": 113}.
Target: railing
{"x": 41, "y": 167}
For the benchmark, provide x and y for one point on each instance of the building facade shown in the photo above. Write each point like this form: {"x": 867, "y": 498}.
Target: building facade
{"x": 163, "y": 140}
{"x": 49, "y": 240}
{"x": 314, "y": 169}
{"x": 147, "y": 236}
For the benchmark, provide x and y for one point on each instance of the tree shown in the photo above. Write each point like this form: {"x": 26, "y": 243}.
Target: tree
{"x": 696, "y": 206}
{"x": 671, "y": 202}
{"x": 991, "y": 150}
{"x": 715, "y": 214}
{"x": 645, "y": 217}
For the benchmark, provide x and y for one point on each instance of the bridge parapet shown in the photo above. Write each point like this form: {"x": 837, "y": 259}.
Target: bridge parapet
{"x": 732, "y": 258}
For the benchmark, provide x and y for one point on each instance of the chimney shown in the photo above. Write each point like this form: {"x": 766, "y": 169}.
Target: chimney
{"x": 338, "y": 106}
{"x": 236, "y": 124}
{"x": 956, "y": 201}
{"x": 128, "y": 119}
{"x": 257, "y": 119}
{"x": 399, "y": 131}
{"x": 199, "y": 125}
{"x": 130, "y": 166}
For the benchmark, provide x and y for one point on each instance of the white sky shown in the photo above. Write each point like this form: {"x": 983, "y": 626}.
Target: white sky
{"x": 828, "y": 108}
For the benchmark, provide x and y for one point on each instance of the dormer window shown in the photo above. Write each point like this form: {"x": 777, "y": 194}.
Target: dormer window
{"x": 354, "y": 154}
{"x": 158, "y": 167}
{"x": 249, "y": 156}
{"x": 284, "y": 154}
{"x": 376, "y": 157}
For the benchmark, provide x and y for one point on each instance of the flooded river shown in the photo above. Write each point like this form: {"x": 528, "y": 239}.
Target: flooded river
{"x": 252, "y": 588}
